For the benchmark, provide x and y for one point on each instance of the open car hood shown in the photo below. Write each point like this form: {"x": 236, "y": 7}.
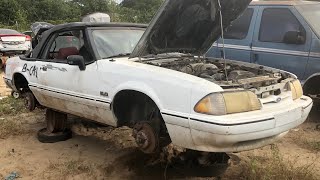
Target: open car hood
{"x": 187, "y": 26}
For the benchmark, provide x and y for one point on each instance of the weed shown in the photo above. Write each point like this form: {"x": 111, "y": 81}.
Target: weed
{"x": 275, "y": 167}
{"x": 10, "y": 128}
{"x": 71, "y": 167}
{"x": 312, "y": 144}
{"x": 11, "y": 106}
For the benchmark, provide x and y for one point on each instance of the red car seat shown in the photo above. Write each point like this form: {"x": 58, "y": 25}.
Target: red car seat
{"x": 65, "y": 52}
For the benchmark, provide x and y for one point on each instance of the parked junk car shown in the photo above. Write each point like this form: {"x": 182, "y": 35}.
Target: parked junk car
{"x": 97, "y": 17}
{"x": 29, "y": 33}
{"x": 12, "y": 43}
{"x": 158, "y": 85}
{"x": 279, "y": 34}
{"x": 37, "y": 29}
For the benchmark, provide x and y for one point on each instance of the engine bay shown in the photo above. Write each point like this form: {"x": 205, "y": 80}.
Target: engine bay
{"x": 226, "y": 73}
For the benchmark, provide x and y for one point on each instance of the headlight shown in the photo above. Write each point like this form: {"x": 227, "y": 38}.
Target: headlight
{"x": 296, "y": 89}
{"x": 228, "y": 103}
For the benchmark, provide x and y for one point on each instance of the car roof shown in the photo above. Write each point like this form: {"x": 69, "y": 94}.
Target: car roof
{"x": 79, "y": 25}
{"x": 6, "y": 29}
{"x": 10, "y": 30}
{"x": 93, "y": 24}
{"x": 282, "y": 3}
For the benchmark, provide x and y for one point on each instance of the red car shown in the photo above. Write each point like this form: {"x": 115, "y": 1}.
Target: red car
{"x": 13, "y": 43}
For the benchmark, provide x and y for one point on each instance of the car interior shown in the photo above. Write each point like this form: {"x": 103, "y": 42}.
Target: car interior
{"x": 67, "y": 44}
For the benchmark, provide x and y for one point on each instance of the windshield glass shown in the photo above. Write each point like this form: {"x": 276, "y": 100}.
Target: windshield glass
{"x": 114, "y": 42}
{"x": 312, "y": 14}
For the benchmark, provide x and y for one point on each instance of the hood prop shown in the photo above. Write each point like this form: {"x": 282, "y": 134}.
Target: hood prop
{"x": 222, "y": 37}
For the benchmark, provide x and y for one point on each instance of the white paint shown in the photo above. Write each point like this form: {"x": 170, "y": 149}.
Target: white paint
{"x": 66, "y": 88}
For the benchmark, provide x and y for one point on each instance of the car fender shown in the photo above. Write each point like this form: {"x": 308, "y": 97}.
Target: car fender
{"x": 140, "y": 87}
{"x": 14, "y": 66}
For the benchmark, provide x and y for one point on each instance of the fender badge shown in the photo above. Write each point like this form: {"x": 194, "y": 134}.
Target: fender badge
{"x": 102, "y": 93}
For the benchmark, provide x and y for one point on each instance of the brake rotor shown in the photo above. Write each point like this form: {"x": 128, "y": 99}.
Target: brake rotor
{"x": 146, "y": 138}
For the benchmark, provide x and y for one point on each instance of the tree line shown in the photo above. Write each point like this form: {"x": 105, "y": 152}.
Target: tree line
{"x": 19, "y": 14}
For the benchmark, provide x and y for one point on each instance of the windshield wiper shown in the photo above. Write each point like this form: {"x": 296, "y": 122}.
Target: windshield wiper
{"x": 118, "y": 55}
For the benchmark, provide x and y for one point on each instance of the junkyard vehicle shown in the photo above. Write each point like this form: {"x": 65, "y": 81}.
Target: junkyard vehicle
{"x": 29, "y": 33}
{"x": 37, "y": 29}
{"x": 12, "y": 43}
{"x": 158, "y": 85}
{"x": 279, "y": 34}
{"x": 96, "y": 17}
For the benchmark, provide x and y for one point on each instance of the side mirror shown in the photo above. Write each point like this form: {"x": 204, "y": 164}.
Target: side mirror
{"x": 294, "y": 37}
{"x": 76, "y": 60}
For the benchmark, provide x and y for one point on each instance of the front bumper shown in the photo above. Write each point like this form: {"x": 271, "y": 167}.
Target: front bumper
{"x": 14, "y": 50}
{"x": 239, "y": 132}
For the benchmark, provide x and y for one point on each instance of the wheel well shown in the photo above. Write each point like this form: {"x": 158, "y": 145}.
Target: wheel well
{"x": 20, "y": 82}
{"x": 312, "y": 86}
{"x": 131, "y": 107}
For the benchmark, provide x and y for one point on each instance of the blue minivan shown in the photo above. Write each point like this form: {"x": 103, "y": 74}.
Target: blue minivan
{"x": 280, "y": 34}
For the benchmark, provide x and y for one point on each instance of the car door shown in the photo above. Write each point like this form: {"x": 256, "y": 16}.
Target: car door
{"x": 64, "y": 86}
{"x": 237, "y": 38}
{"x": 272, "y": 45}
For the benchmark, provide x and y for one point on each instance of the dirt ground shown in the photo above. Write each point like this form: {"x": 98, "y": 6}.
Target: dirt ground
{"x": 3, "y": 90}
{"x": 111, "y": 154}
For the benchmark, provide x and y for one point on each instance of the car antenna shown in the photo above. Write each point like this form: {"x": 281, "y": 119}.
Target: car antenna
{"x": 222, "y": 37}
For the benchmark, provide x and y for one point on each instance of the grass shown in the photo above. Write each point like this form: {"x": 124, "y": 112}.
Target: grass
{"x": 276, "y": 167}
{"x": 312, "y": 145}
{"x": 8, "y": 125}
{"x": 71, "y": 168}
{"x": 10, "y": 128}
{"x": 11, "y": 106}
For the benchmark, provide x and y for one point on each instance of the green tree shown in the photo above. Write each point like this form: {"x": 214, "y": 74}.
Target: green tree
{"x": 9, "y": 9}
{"x": 19, "y": 14}
{"x": 91, "y": 6}
{"x": 140, "y": 11}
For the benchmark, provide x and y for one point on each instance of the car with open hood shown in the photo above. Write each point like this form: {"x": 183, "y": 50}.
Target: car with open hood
{"x": 155, "y": 80}
{"x": 279, "y": 34}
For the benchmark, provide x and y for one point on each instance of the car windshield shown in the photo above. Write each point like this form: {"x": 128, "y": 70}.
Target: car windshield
{"x": 116, "y": 42}
{"x": 312, "y": 14}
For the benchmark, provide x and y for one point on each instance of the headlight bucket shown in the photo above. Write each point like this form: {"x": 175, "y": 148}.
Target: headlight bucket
{"x": 228, "y": 103}
{"x": 296, "y": 89}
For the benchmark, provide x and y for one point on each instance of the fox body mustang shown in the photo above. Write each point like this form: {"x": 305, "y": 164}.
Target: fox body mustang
{"x": 159, "y": 85}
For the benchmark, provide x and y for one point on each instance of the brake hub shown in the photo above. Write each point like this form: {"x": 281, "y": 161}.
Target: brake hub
{"x": 146, "y": 139}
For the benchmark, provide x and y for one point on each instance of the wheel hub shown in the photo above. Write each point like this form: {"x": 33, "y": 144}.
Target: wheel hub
{"x": 142, "y": 140}
{"x": 16, "y": 95}
{"x": 146, "y": 139}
